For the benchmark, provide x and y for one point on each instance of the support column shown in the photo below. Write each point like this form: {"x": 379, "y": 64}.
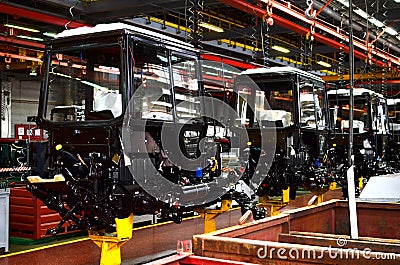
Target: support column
{"x": 110, "y": 244}
{"x": 210, "y": 215}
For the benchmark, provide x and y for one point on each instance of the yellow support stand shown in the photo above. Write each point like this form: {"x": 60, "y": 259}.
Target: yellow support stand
{"x": 274, "y": 206}
{"x": 110, "y": 244}
{"x": 333, "y": 186}
{"x": 209, "y": 215}
{"x": 321, "y": 198}
{"x": 361, "y": 183}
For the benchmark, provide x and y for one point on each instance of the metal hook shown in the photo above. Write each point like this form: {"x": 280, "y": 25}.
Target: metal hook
{"x": 269, "y": 10}
{"x": 312, "y": 28}
{"x": 308, "y": 13}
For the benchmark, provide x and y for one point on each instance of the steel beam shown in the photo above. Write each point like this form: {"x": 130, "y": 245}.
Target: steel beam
{"x": 280, "y": 21}
{"x": 366, "y": 76}
{"x": 38, "y": 16}
{"x": 21, "y": 57}
{"x": 25, "y": 43}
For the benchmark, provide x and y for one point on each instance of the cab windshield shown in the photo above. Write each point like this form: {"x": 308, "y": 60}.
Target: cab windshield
{"x": 84, "y": 84}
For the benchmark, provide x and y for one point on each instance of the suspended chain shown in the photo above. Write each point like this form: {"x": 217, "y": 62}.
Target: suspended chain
{"x": 385, "y": 48}
{"x": 191, "y": 19}
{"x": 266, "y": 44}
{"x": 254, "y": 38}
{"x": 195, "y": 17}
{"x": 372, "y": 67}
{"x": 303, "y": 52}
{"x": 308, "y": 51}
{"x": 200, "y": 18}
{"x": 265, "y": 30}
{"x": 342, "y": 54}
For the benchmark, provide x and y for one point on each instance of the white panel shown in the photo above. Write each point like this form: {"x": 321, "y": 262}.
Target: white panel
{"x": 4, "y": 218}
{"x": 352, "y": 203}
{"x": 384, "y": 188}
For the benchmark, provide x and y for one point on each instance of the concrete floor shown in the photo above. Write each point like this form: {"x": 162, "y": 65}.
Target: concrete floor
{"x": 148, "y": 243}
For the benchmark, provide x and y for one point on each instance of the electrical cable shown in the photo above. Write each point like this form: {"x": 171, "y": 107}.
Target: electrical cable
{"x": 72, "y": 14}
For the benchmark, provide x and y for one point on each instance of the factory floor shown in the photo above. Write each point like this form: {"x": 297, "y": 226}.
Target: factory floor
{"x": 148, "y": 243}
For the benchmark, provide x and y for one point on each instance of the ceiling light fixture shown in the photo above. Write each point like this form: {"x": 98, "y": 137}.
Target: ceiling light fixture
{"x": 371, "y": 19}
{"x": 324, "y": 64}
{"x": 29, "y": 38}
{"x": 211, "y": 27}
{"x": 391, "y": 31}
{"x": 33, "y": 72}
{"x": 21, "y": 28}
{"x": 280, "y": 49}
{"x": 50, "y": 34}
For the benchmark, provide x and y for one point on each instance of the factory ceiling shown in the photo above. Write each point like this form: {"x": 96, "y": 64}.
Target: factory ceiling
{"x": 252, "y": 31}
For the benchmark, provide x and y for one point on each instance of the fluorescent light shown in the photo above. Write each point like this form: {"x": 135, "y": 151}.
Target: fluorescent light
{"x": 29, "y": 38}
{"x": 376, "y": 22}
{"x": 50, "y": 34}
{"x": 210, "y": 73}
{"x": 391, "y": 31}
{"x": 365, "y": 15}
{"x": 21, "y": 27}
{"x": 33, "y": 72}
{"x": 324, "y": 64}
{"x": 397, "y": 1}
{"x": 344, "y": 2}
{"x": 211, "y": 27}
{"x": 280, "y": 49}
{"x": 361, "y": 13}
{"x": 328, "y": 72}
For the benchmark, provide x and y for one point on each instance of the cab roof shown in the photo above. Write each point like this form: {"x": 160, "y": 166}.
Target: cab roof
{"x": 281, "y": 70}
{"x": 356, "y": 92}
{"x": 101, "y": 28}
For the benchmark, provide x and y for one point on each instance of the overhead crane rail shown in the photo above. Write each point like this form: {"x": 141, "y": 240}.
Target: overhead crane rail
{"x": 361, "y": 53}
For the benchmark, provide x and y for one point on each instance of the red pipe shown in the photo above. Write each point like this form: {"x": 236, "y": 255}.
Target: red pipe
{"x": 220, "y": 59}
{"x": 22, "y": 42}
{"x": 379, "y": 81}
{"x": 254, "y": 10}
{"x": 21, "y": 12}
{"x": 322, "y": 8}
{"x": 321, "y": 38}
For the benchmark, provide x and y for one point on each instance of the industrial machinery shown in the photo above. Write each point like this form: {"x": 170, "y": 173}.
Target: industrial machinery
{"x": 298, "y": 112}
{"x": 392, "y": 154}
{"x": 370, "y": 128}
{"x": 114, "y": 100}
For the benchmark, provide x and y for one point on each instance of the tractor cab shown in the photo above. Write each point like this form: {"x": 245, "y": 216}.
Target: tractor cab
{"x": 297, "y": 111}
